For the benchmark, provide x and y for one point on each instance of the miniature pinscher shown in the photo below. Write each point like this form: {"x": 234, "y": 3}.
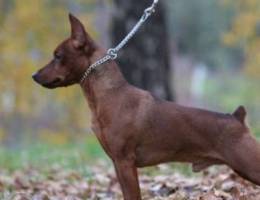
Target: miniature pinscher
{"x": 137, "y": 129}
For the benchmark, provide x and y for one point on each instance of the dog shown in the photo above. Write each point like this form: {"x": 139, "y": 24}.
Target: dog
{"x": 137, "y": 129}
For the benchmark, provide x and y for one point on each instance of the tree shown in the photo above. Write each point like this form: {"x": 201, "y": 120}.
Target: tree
{"x": 245, "y": 32}
{"x": 145, "y": 61}
{"x": 197, "y": 28}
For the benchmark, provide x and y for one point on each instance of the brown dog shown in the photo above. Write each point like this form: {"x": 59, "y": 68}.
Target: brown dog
{"x": 138, "y": 130}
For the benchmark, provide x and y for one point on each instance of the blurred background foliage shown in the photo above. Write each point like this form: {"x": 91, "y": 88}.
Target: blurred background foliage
{"x": 214, "y": 56}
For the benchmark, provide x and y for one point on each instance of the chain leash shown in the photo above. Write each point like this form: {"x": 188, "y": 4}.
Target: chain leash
{"x": 113, "y": 52}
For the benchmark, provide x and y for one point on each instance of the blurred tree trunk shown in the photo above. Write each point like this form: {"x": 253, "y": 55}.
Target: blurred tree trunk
{"x": 4, "y": 8}
{"x": 145, "y": 60}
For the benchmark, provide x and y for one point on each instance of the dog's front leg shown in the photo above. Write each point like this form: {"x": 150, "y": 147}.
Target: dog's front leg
{"x": 128, "y": 178}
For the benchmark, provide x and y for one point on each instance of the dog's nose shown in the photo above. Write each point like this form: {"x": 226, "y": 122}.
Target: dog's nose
{"x": 35, "y": 76}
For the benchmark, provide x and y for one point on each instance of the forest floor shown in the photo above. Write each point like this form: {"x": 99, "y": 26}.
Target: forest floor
{"x": 81, "y": 171}
{"x": 59, "y": 184}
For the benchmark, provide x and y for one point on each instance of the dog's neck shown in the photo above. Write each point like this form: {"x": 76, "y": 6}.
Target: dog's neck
{"x": 103, "y": 80}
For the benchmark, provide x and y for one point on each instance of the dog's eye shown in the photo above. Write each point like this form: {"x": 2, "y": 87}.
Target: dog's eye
{"x": 57, "y": 56}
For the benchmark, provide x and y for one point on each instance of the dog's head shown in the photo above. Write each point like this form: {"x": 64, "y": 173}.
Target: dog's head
{"x": 70, "y": 60}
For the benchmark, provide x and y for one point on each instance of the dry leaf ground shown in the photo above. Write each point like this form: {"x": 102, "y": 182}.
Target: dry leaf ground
{"x": 163, "y": 183}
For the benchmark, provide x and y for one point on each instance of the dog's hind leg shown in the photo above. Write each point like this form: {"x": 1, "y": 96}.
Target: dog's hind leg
{"x": 244, "y": 158}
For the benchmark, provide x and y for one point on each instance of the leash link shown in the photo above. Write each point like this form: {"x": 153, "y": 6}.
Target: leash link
{"x": 112, "y": 53}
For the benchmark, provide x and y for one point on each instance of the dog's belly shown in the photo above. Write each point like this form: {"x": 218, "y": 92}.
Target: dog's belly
{"x": 145, "y": 157}
{"x": 161, "y": 151}
{"x": 148, "y": 155}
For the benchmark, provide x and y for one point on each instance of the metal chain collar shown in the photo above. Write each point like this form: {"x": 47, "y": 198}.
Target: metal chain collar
{"x": 113, "y": 52}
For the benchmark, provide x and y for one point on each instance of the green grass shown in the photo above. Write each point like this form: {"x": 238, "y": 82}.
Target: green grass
{"x": 77, "y": 155}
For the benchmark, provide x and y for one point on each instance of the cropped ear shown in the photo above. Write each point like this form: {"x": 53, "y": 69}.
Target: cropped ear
{"x": 240, "y": 114}
{"x": 78, "y": 33}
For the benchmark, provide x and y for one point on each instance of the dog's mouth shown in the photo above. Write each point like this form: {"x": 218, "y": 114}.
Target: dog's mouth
{"x": 50, "y": 85}
{"x": 53, "y": 84}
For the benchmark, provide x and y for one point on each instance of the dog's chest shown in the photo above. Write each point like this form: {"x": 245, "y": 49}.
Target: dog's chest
{"x": 100, "y": 134}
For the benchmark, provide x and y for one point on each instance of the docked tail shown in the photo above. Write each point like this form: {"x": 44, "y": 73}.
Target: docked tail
{"x": 240, "y": 114}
